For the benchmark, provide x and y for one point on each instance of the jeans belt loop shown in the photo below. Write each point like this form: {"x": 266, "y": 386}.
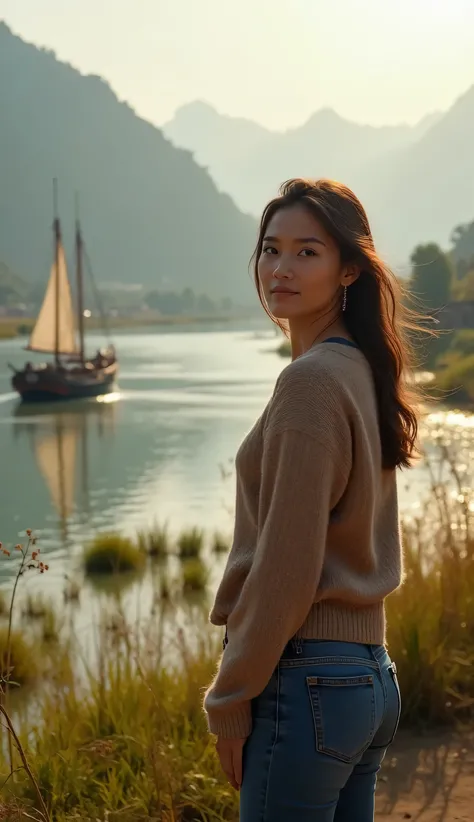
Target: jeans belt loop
{"x": 298, "y": 645}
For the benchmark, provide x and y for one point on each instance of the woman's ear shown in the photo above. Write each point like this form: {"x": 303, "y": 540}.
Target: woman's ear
{"x": 350, "y": 274}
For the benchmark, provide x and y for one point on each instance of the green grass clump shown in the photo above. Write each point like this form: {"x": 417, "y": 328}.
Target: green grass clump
{"x": 23, "y": 658}
{"x": 154, "y": 542}
{"x": 190, "y": 543}
{"x": 111, "y": 554}
{"x": 220, "y": 543}
{"x": 195, "y": 576}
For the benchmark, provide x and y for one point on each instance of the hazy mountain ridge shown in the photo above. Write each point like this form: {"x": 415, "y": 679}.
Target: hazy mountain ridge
{"x": 150, "y": 213}
{"x": 416, "y": 181}
{"x": 422, "y": 192}
{"x": 248, "y": 161}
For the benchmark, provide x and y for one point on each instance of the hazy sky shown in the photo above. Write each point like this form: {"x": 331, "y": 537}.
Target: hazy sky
{"x": 275, "y": 61}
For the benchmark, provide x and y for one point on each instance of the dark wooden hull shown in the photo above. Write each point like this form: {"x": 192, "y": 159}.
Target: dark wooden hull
{"x": 51, "y": 384}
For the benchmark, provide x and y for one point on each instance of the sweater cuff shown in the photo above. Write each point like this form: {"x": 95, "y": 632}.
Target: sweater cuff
{"x": 235, "y": 724}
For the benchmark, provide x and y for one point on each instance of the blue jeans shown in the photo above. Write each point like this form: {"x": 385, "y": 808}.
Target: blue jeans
{"x": 320, "y": 732}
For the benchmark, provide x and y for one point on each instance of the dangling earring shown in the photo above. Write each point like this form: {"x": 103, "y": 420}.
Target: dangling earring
{"x": 344, "y": 299}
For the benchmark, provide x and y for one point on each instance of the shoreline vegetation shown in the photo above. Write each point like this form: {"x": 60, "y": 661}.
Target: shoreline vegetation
{"x": 13, "y": 327}
{"x": 124, "y": 737}
{"x": 452, "y": 380}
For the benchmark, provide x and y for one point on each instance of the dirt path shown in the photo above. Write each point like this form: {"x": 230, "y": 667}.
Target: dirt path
{"x": 428, "y": 779}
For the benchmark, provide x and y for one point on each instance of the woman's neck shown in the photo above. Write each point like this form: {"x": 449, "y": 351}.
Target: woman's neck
{"x": 305, "y": 333}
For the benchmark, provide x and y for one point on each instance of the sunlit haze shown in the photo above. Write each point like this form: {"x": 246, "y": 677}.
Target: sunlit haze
{"x": 274, "y": 61}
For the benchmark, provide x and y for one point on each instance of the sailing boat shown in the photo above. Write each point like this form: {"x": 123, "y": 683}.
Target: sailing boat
{"x": 59, "y": 330}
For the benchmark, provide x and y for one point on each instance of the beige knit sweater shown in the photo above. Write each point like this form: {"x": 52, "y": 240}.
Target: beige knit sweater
{"x": 316, "y": 544}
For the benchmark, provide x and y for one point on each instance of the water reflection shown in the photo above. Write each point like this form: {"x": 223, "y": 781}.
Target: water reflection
{"x": 59, "y": 440}
{"x": 155, "y": 453}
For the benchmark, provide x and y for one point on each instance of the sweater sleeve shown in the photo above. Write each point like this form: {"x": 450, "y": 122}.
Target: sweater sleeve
{"x": 302, "y": 480}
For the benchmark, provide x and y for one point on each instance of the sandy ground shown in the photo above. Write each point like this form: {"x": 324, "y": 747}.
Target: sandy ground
{"x": 428, "y": 779}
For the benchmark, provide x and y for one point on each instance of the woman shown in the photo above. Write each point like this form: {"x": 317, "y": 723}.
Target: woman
{"x": 306, "y": 700}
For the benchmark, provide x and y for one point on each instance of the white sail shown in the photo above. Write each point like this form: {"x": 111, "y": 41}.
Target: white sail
{"x": 43, "y": 336}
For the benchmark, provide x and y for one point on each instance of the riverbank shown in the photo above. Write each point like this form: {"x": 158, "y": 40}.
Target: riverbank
{"x": 11, "y": 327}
{"x": 452, "y": 383}
{"x": 122, "y": 730}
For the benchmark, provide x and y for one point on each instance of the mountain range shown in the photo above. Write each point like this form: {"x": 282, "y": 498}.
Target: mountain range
{"x": 150, "y": 213}
{"x": 417, "y": 182}
{"x": 175, "y": 207}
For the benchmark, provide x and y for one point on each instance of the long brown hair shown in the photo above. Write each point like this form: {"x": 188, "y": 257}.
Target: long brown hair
{"x": 376, "y": 314}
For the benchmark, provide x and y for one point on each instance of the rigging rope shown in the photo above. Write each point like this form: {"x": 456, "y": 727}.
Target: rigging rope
{"x": 97, "y": 296}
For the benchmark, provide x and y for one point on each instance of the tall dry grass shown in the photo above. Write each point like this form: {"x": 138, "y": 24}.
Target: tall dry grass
{"x": 431, "y": 618}
{"x": 128, "y": 741}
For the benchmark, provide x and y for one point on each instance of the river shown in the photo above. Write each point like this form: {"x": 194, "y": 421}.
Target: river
{"x": 156, "y": 450}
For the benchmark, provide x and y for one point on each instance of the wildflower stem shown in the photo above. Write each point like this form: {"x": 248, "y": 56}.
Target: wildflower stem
{"x": 12, "y": 603}
{"x": 13, "y": 735}
{"x": 5, "y": 691}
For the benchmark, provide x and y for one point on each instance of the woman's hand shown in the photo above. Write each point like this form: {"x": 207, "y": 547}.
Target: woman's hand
{"x": 230, "y": 754}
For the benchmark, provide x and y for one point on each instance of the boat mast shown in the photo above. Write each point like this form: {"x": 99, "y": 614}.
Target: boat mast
{"x": 57, "y": 243}
{"x": 80, "y": 284}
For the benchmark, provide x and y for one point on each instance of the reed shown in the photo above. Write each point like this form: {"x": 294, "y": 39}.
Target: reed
{"x": 155, "y": 542}
{"x": 190, "y": 543}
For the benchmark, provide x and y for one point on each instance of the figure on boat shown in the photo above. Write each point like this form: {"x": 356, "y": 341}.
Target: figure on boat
{"x": 59, "y": 330}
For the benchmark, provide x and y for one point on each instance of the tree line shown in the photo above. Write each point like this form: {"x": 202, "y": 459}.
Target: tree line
{"x": 15, "y": 292}
{"x": 439, "y": 278}
{"x": 187, "y": 302}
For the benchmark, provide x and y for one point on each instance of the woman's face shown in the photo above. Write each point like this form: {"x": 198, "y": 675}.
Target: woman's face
{"x": 299, "y": 268}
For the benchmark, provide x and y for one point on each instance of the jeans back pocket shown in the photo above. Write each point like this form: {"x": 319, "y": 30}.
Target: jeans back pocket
{"x": 344, "y": 714}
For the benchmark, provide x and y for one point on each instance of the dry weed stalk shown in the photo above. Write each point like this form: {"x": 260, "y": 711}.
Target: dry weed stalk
{"x": 30, "y": 560}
